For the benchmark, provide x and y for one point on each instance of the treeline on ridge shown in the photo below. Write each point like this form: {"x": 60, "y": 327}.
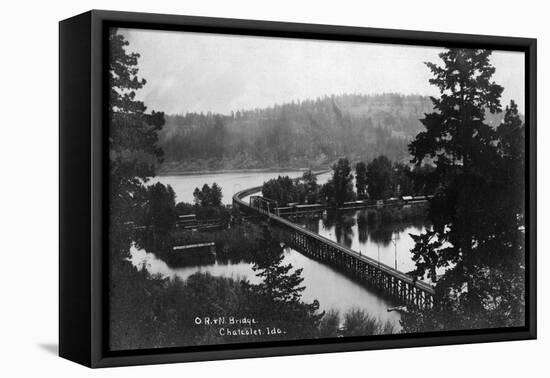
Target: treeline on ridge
{"x": 310, "y": 133}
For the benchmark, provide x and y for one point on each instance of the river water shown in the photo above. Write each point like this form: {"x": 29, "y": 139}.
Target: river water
{"x": 231, "y": 183}
{"x": 389, "y": 244}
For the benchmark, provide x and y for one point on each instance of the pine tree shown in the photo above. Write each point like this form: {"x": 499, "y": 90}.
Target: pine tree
{"x": 342, "y": 181}
{"x": 216, "y": 195}
{"x": 197, "y": 197}
{"x": 132, "y": 131}
{"x": 133, "y": 150}
{"x": 379, "y": 178}
{"x": 311, "y": 188}
{"x": 279, "y": 284}
{"x": 277, "y": 299}
{"x": 472, "y": 230}
{"x": 361, "y": 179}
{"x": 159, "y": 215}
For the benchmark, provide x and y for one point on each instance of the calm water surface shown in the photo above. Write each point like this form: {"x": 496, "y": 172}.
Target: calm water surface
{"x": 388, "y": 243}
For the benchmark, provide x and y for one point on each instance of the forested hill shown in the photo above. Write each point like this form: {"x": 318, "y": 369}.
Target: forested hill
{"x": 310, "y": 133}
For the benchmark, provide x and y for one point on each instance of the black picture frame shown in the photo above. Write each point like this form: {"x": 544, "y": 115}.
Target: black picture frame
{"x": 83, "y": 275}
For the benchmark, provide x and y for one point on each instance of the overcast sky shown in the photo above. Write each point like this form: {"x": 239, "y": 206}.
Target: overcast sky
{"x": 193, "y": 72}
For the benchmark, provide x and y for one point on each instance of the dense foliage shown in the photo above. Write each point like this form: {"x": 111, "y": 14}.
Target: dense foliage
{"x": 340, "y": 186}
{"x": 379, "y": 179}
{"x": 361, "y": 180}
{"x": 385, "y": 179}
{"x": 285, "y": 190}
{"x": 159, "y": 213}
{"x": 133, "y": 152}
{"x": 310, "y": 133}
{"x": 208, "y": 196}
{"x": 477, "y": 214}
{"x": 155, "y": 312}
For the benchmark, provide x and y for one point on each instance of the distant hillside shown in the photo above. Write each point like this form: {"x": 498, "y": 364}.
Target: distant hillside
{"x": 309, "y": 133}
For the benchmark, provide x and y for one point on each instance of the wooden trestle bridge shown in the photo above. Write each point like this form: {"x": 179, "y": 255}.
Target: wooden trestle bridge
{"x": 391, "y": 282}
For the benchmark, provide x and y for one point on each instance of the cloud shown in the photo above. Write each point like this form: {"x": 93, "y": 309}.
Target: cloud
{"x": 197, "y": 72}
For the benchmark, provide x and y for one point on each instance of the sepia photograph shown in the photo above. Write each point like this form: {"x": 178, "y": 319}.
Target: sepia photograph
{"x": 266, "y": 189}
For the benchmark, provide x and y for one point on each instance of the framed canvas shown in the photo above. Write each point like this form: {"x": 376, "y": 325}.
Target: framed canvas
{"x": 234, "y": 188}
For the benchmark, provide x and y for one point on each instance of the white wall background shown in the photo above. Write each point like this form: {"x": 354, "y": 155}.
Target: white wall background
{"x": 29, "y": 186}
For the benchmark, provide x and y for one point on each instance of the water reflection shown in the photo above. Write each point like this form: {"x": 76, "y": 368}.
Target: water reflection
{"x": 362, "y": 227}
{"x": 388, "y": 242}
{"x": 343, "y": 229}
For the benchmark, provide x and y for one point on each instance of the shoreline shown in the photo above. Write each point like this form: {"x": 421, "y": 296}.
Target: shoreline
{"x": 242, "y": 170}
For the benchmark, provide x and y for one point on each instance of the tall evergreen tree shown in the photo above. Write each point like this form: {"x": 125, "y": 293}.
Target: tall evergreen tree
{"x": 342, "y": 181}
{"x": 278, "y": 284}
{"x": 361, "y": 179}
{"x": 197, "y": 196}
{"x": 216, "y": 195}
{"x": 282, "y": 189}
{"x": 277, "y": 299}
{"x": 133, "y": 150}
{"x": 311, "y": 187}
{"x": 208, "y": 196}
{"x": 402, "y": 183}
{"x": 379, "y": 178}
{"x": 474, "y": 239}
{"x": 159, "y": 214}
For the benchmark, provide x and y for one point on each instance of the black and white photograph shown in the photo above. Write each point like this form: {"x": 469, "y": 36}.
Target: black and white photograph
{"x": 266, "y": 189}
{"x": 245, "y": 189}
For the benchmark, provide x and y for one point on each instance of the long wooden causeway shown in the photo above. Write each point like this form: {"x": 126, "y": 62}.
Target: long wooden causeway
{"x": 393, "y": 283}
